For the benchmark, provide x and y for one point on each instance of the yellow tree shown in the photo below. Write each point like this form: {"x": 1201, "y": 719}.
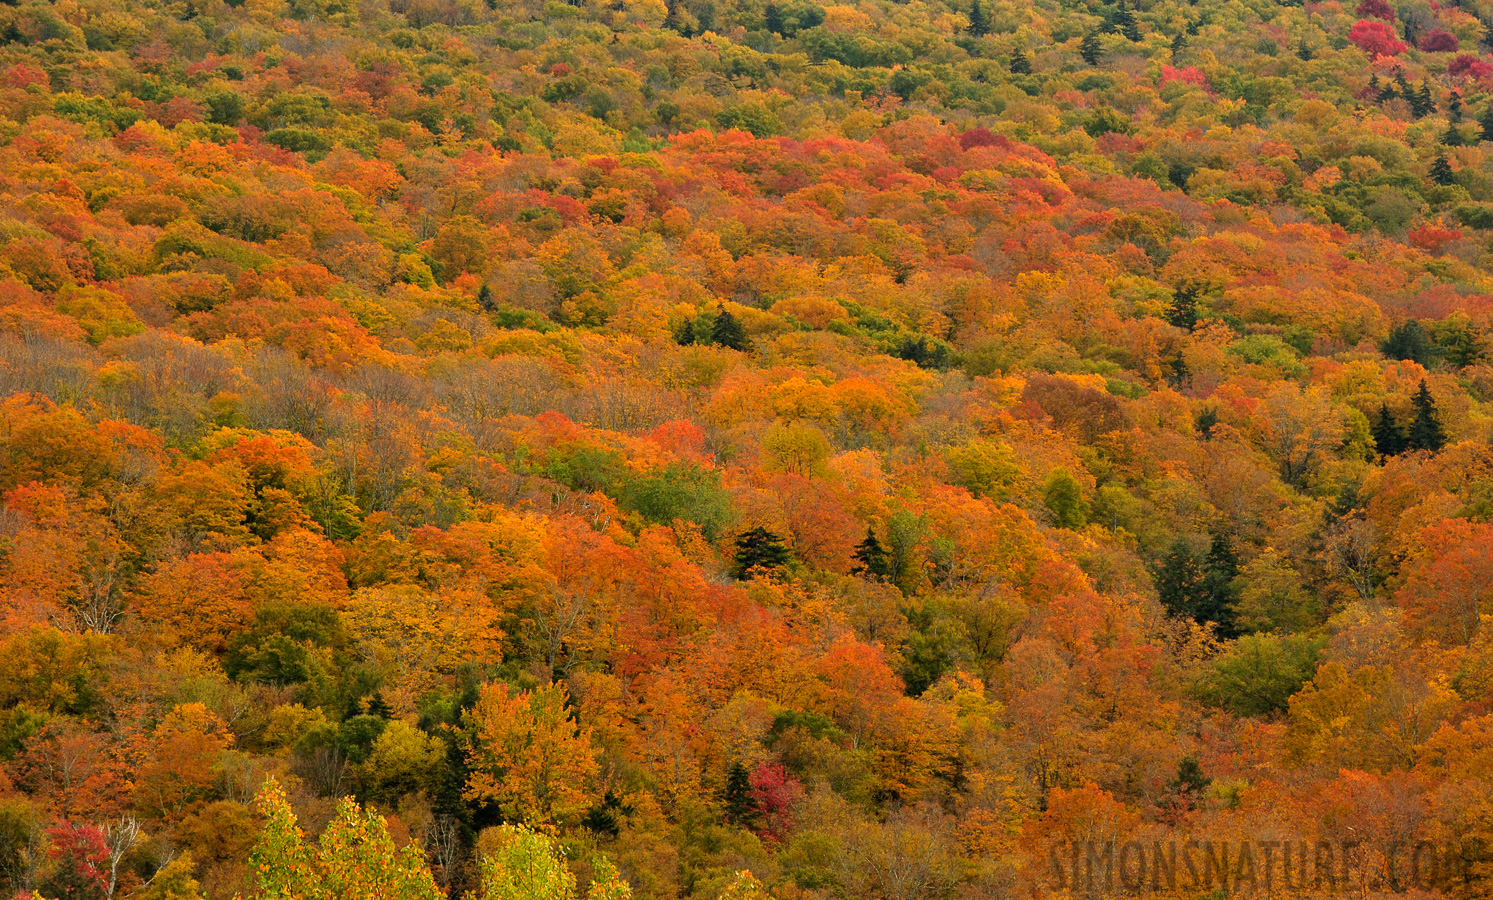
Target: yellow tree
{"x": 528, "y": 757}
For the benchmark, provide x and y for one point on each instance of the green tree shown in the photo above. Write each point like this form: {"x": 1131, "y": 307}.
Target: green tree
{"x": 979, "y": 20}
{"x": 1179, "y": 578}
{"x": 1409, "y": 340}
{"x": 1063, "y": 497}
{"x": 1389, "y": 437}
{"x": 1183, "y": 312}
{"x": 355, "y": 857}
{"x": 1259, "y": 673}
{"x": 741, "y": 807}
{"x": 528, "y": 865}
{"x": 1425, "y": 429}
{"x": 727, "y": 330}
{"x": 1020, "y": 64}
{"x": 1218, "y": 591}
{"x": 1441, "y": 170}
{"x": 772, "y": 18}
{"x": 1090, "y": 48}
{"x": 871, "y": 558}
{"x": 1485, "y": 121}
{"x": 758, "y": 548}
{"x": 1126, "y": 23}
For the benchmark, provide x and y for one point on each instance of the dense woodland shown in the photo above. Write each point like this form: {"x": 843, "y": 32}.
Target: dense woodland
{"x": 721, "y": 448}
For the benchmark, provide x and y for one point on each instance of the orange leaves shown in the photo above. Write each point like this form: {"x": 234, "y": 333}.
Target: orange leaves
{"x": 178, "y": 768}
{"x": 528, "y": 757}
{"x": 200, "y": 600}
{"x": 40, "y": 441}
{"x": 1448, "y": 594}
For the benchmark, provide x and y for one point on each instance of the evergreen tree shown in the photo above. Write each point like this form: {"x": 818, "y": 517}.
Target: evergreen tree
{"x": 1454, "y": 106}
{"x": 1441, "y": 171}
{"x": 485, "y": 300}
{"x": 378, "y": 706}
{"x": 1126, "y": 22}
{"x": 1179, "y": 43}
{"x": 1205, "y": 422}
{"x": 1216, "y": 599}
{"x": 741, "y": 806}
{"x": 1389, "y": 437}
{"x": 727, "y": 330}
{"x": 1409, "y": 340}
{"x": 1184, "y": 309}
{"x": 772, "y": 18}
{"x": 1453, "y": 137}
{"x": 1180, "y": 370}
{"x": 979, "y": 20}
{"x": 1179, "y": 579}
{"x": 1190, "y": 777}
{"x": 1021, "y": 64}
{"x": 759, "y": 548}
{"x": 1486, "y": 121}
{"x": 1386, "y": 91}
{"x": 1423, "y": 99}
{"x": 686, "y": 334}
{"x": 1304, "y": 51}
{"x": 871, "y": 558}
{"x": 1425, "y": 430}
{"x": 1090, "y": 49}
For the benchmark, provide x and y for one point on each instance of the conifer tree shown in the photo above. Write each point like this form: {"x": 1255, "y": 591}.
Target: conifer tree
{"x": 1409, "y": 340}
{"x": 727, "y": 330}
{"x": 1184, "y": 309}
{"x": 1424, "y": 104}
{"x": 871, "y": 558}
{"x": 1125, "y": 20}
{"x": 1021, "y": 64}
{"x": 686, "y": 334}
{"x": 1190, "y": 777}
{"x": 1090, "y": 49}
{"x": 485, "y": 300}
{"x": 1179, "y": 43}
{"x": 741, "y": 807}
{"x": 1486, "y": 121}
{"x": 1425, "y": 429}
{"x": 979, "y": 20}
{"x": 1441, "y": 171}
{"x": 759, "y": 548}
{"x": 1216, "y": 598}
{"x": 1179, "y": 578}
{"x": 1453, "y": 136}
{"x": 1389, "y": 437}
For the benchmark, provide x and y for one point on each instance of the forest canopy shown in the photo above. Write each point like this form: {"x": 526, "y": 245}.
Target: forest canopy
{"x": 739, "y": 448}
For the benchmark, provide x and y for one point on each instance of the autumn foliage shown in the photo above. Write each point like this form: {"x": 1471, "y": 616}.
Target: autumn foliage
{"x": 730, "y": 449}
